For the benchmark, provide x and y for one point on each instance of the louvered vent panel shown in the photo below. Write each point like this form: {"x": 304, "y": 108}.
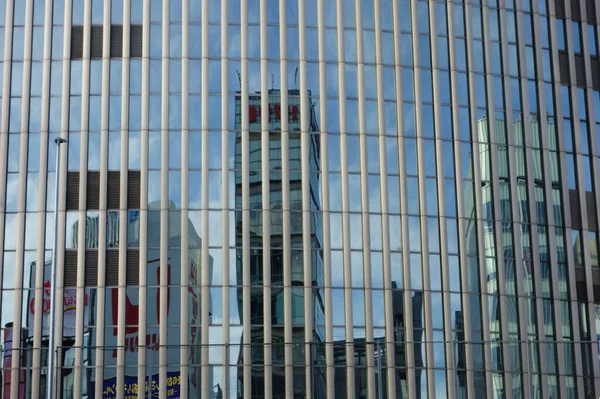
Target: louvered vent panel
{"x": 93, "y": 190}
{"x": 575, "y": 10}
{"x": 72, "y": 191}
{"x": 595, "y": 73}
{"x": 559, "y": 8}
{"x": 76, "y": 42}
{"x": 113, "y": 190}
{"x": 133, "y": 189}
{"x": 70, "y": 276}
{"x": 591, "y": 11}
{"x": 575, "y": 209}
{"x": 563, "y": 62}
{"x": 135, "y": 41}
{"x": 116, "y": 41}
{"x": 96, "y": 41}
{"x": 580, "y": 70}
{"x": 91, "y": 268}
{"x": 133, "y": 267}
{"x": 592, "y": 211}
{"x": 112, "y": 267}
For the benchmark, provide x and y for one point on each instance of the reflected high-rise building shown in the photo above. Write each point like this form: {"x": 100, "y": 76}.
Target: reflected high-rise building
{"x": 278, "y": 235}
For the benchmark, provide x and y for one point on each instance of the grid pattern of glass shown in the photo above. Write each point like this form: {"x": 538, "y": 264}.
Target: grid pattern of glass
{"x": 301, "y": 198}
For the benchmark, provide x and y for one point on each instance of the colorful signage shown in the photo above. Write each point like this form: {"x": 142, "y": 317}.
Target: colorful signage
{"x": 151, "y": 387}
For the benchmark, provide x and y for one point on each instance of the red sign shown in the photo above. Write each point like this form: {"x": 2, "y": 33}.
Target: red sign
{"x": 254, "y": 113}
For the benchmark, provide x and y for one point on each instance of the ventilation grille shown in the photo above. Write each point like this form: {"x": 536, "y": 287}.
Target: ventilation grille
{"x": 76, "y": 42}
{"x": 113, "y": 190}
{"x": 112, "y": 268}
{"x": 581, "y": 283}
{"x": 133, "y": 189}
{"x": 116, "y": 41}
{"x": 70, "y": 276}
{"x": 96, "y": 48}
{"x": 93, "y": 190}
{"x": 592, "y": 213}
{"x": 135, "y": 41}
{"x": 133, "y": 267}
{"x": 72, "y": 191}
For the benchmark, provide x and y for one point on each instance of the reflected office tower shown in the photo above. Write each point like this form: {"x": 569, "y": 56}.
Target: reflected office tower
{"x": 277, "y": 236}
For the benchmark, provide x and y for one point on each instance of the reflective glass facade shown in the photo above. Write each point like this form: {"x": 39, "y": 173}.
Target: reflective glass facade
{"x": 301, "y": 198}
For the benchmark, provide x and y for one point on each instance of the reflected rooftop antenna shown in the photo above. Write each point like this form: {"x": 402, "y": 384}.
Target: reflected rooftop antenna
{"x": 296, "y": 79}
{"x": 272, "y": 81}
{"x": 239, "y": 78}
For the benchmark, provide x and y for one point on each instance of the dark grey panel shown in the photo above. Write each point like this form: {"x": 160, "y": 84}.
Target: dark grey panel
{"x": 72, "y": 191}
{"x": 575, "y": 10}
{"x": 133, "y": 267}
{"x": 93, "y": 190}
{"x": 96, "y": 41}
{"x": 70, "y": 276}
{"x": 595, "y": 63}
{"x": 113, "y": 191}
{"x": 116, "y": 41}
{"x": 135, "y": 41}
{"x": 112, "y": 267}
{"x": 580, "y": 70}
{"x": 76, "y": 42}
{"x": 591, "y": 11}
{"x": 592, "y": 211}
{"x": 563, "y": 61}
{"x": 559, "y": 8}
{"x": 91, "y": 268}
{"x": 133, "y": 189}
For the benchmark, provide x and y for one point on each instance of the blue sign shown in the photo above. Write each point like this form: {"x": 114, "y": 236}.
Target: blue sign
{"x": 131, "y": 388}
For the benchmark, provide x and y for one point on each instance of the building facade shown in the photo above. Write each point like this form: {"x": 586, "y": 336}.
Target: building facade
{"x": 301, "y": 198}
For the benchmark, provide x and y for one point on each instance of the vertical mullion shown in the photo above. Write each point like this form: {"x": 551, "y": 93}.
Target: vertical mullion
{"x": 122, "y": 271}
{"x": 549, "y": 207}
{"x": 515, "y": 202}
{"x": 62, "y": 170}
{"x": 330, "y": 368}
{"x": 225, "y": 198}
{"x": 447, "y": 315}
{"x": 285, "y": 194}
{"x": 464, "y": 275}
{"x": 478, "y": 201}
{"x": 266, "y": 203}
{"x": 205, "y": 272}
{"x": 144, "y": 141}
{"x": 423, "y": 233}
{"x": 385, "y": 222}
{"x": 364, "y": 200}
{"x": 101, "y": 290}
{"x": 164, "y": 203}
{"x": 572, "y": 302}
{"x": 8, "y": 29}
{"x": 406, "y": 272}
{"x": 185, "y": 348}
{"x": 83, "y": 166}
{"x": 305, "y": 140}
{"x": 43, "y": 192}
{"x": 491, "y": 141}
{"x": 21, "y": 208}
{"x": 348, "y": 316}
{"x": 246, "y": 259}
{"x": 527, "y": 122}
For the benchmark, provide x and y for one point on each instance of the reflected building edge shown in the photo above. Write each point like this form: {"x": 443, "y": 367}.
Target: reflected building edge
{"x": 276, "y": 214}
